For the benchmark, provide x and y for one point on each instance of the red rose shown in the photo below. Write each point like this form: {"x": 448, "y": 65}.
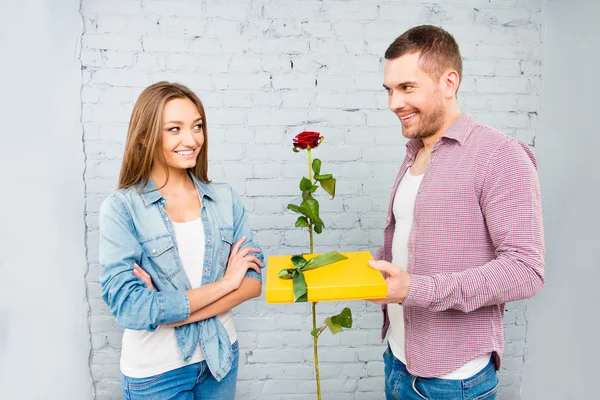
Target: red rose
{"x": 307, "y": 138}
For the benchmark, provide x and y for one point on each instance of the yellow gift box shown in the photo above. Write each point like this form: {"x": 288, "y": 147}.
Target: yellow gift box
{"x": 350, "y": 279}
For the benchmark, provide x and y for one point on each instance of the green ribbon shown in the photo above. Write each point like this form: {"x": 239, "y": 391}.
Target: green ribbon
{"x": 301, "y": 265}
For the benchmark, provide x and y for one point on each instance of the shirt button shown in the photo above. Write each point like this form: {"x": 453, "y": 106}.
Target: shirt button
{"x": 206, "y": 270}
{"x": 209, "y": 241}
{"x": 153, "y": 251}
{"x": 166, "y": 218}
{"x": 420, "y": 191}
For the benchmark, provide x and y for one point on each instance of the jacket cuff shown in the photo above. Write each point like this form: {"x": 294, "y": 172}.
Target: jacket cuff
{"x": 173, "y": 306}
{"x": 254, "y": 275}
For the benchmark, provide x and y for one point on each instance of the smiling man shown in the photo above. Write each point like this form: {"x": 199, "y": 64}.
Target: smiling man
{"x": 463, "y": 235}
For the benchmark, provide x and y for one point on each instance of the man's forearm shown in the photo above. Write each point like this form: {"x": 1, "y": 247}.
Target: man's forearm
{"x": 500, "y": 281}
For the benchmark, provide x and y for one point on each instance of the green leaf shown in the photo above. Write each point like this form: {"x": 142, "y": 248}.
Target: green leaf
{"x": 313, "y": 188}
{"x": 324, "y": 177}
{"x": 343, "y": 319}
{"x": 316, "y": 166}
{"x": 310, "y": 208}
{"x": 318, "y": 228}
{"x": 302, "y": 222}
{"x": 315, "y": 332}
{"x": 333, "y": 327}
{"x": 305, "y": 184}
{"x": 293, "y": 207}
{"x": 329, "y": 186}
{"x": 313, "y": 206}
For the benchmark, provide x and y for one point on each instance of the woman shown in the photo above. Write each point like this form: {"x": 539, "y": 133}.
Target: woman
{"x": 168, "y": 228}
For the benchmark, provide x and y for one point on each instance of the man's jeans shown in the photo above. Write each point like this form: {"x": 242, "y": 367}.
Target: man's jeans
{"x": 192, "y": 382}
{"x": 401, "y": 385}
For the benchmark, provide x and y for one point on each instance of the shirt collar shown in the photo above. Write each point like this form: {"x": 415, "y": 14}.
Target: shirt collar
{"x": 459, "y": 131}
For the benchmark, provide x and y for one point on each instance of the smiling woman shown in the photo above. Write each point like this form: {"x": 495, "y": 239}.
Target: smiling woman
{"x": 157, "y": 120}
{"x": 177, "y": 255}
{"x": 183, "y": 134}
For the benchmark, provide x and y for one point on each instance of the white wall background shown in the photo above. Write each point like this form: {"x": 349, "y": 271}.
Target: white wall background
{"x": 267, "y": 70}
{"x": 562, "y": 341}
{"x": 44, "y": 337}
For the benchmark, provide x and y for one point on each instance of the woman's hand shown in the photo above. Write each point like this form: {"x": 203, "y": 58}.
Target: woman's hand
{"x": 143, "y": 275}
{"x": 239, "y": 263}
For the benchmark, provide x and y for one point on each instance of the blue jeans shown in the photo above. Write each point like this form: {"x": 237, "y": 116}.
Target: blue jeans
{"x": 192, "y": 382}
{"x": 401, "y": 385}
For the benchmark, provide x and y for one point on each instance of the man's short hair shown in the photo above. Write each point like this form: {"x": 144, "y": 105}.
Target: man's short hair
{"x": 439, "y": 51}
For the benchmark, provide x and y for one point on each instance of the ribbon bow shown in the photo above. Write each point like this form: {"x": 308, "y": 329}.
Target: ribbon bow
{"x": 301, "y": 265}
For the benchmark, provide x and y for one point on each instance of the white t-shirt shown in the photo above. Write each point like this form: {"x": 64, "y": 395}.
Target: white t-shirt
{"x": 403, "y": 209}
{"x": 144, "y": 353}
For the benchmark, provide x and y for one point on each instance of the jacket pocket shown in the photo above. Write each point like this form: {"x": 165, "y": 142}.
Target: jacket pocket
{"x": 161, "y": 253}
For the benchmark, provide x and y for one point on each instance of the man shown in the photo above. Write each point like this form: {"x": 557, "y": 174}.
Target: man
{"x": 463, "y": 235}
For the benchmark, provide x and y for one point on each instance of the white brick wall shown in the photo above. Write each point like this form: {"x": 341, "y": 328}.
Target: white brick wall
{"x": 267, "y": 70}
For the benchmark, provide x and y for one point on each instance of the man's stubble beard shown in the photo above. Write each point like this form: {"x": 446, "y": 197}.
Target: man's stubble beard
{"x": 431, "y": 122}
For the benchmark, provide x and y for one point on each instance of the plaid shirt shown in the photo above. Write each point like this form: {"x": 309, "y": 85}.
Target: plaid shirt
{"x": 476, "y": 243}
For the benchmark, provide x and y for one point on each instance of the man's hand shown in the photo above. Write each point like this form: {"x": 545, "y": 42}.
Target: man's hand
{"x": 397, "y": 279}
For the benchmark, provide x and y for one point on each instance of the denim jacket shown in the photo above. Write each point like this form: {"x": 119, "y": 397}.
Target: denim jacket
{"x": 135, "y": 228}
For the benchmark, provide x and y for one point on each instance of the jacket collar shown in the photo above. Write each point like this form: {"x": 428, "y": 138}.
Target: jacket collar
{"x": 150, "y": 194}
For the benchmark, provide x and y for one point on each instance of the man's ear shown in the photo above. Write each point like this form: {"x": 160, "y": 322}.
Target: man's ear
{"x": 451, "y": 81}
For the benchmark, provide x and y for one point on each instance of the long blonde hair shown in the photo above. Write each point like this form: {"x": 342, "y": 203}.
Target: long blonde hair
{"x": 144, "y": 136}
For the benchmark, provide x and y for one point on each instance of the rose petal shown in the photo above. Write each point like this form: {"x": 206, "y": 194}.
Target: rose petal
{"x": 308, "y": 138}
